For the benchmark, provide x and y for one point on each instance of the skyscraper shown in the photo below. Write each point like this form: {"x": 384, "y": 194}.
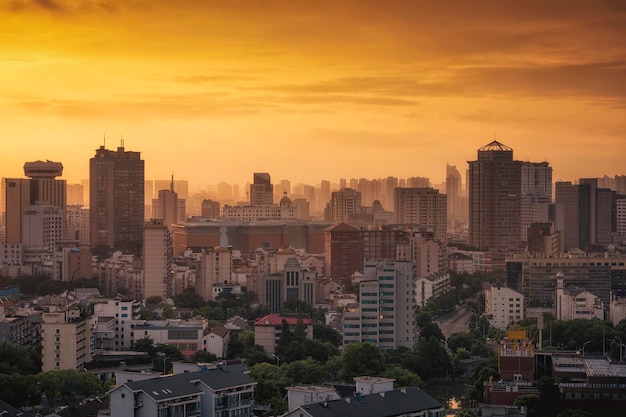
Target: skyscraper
{"x": 453, "y": 193}
{"x": 116, "y": 201}
{"x": 261, "y": 190}
{"x": 536, "y": 195}
{"x": 494, "y": 197}
{"x": 157, "y": 260}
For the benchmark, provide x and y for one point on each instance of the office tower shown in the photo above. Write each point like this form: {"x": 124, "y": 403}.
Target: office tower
{"x": 157, "y": 260}
{"x": 423, "y": 207}
{"x": 42, "y": 226}
{"x": 116, "y": 203}
{"x": 210, "y": 209}
{"x": 587, "y": 212}
{"x": 41, "y": 186}
{"x": 342, "y": 203}
{"x": 261, "y": 190}
{"x": 605, "y": 214}
{"x": 386, "y": 312}
{"x": 566, "y": 199}
{"x": 494, "y": 198}
{"x": 182, "y": 189}
{"x": 453, "y": 193}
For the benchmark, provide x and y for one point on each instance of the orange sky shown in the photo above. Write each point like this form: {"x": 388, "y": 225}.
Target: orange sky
{"x": 307, "y": 90}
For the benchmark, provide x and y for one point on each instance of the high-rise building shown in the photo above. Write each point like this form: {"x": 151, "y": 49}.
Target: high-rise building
{"x": 157, "y": 260}
{"x": 116, "y": 201}
{"x": 261, "y": 190}
{"x": 453, "y": 193}
{"x": 342, "y": 203}
{"x": 423, "y": 207}
{"x": 566, "y": 199}
{"x": 165, "y": 207}
{"x": 215, "y": 268}
{"x": 42, "y": 227}
{"x": 66, "y": 341}
{"x": 210, "y": 209}
{"x": 494, "y": 198}
{"x": 41, "y": 186}
{"x": 536, "y": 195}
{"x": 386, "y": 312}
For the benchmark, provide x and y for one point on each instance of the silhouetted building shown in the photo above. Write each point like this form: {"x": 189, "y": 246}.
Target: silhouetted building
{"x": 116, "y": 201}
{"x": 262, "y": 190}
{"x": 494, "y": 195}
{"x": 210, "y": 209}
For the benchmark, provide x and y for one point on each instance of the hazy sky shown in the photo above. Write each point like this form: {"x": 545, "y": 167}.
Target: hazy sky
{"x": 308, "y": 90}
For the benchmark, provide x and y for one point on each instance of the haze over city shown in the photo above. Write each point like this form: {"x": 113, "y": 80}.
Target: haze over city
{"x": 213, "y": 91}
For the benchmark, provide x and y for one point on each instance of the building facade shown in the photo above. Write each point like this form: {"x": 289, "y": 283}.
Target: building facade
{"x": 116, "y": 201}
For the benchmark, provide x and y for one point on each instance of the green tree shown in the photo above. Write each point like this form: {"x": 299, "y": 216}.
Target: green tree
{"x": 307, "y": 371}
{"x": 20, "y": 390}
{"x": 15, "y": 359}
{"x": 403, "y": 377}
{"x": 168, "y": 313}
{"x": 155, "y": 299}
{"x": 202, "y": 356}
{"x": 271, "y": 387}
{"x": 189, "y": 298}
{"x": 326, "y": 333}
{"x": 147, "y": 314}
{"x": 361, "y": 358}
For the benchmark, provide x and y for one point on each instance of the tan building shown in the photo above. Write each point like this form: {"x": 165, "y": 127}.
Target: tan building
{"x": 67, "y": 341}
{"x": 268, "y": 329}
{"x": 503, "y": 306}
{"x": 423, "y": 207}
{"x": 157, "y": 260}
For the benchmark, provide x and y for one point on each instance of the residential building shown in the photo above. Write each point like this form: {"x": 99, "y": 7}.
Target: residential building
{"x": 66, "y": 341}
{"x": 210, "y": 209}
{"x": 165, "y": 207}
{"x": 459, "y": 262}
{"x": 495, "y": 201}
{"x": 409, "y": 401}
{"x": 116, "y": 201}
{"x": 224, "y": 390}
{"x": 214, "y": 269}
{"x": 42, "y": 226}
{"x": 268, "y": 330}
{"x": 431, "y": 285}
{"x": 617, "y": 311}
{"x": 454, "y": 198}
{"x": 385, "y": 314}
{"x": 115, "y": 319}
{"x": 544, "y": 240}
{"x": 260, "y": 213}
{"x": 503, "y": 306}
{"x": 423, "y": 207}
{"x": 157, "y": 260}
{"x": 342, "y": 203}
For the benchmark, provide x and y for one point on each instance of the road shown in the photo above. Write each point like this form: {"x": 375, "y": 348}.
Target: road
{"x": 455, "y": 321}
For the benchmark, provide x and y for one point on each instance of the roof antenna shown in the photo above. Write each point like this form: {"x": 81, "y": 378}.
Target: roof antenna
{"x": 122, "y": 141}
{"x": 104, "y": 135}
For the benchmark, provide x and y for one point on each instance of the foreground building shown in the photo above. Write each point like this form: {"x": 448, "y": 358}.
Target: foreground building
{"x": 220, "y": 391}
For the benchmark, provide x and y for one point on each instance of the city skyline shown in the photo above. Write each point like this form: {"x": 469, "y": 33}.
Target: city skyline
{"x": 308, "y": 91}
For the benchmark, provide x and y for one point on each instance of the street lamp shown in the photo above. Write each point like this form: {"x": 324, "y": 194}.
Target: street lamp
{"x": 588, "y": 341}
{"x": 620, "y": 347}
{"x": 277, "y": 359}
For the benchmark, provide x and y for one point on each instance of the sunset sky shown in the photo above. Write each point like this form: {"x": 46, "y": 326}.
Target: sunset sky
{"x": 308, "y": 90}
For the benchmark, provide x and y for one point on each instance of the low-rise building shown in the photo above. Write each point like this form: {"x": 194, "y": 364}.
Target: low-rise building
{"x": 224, "y": 390}
{"x": 268, "y": 330}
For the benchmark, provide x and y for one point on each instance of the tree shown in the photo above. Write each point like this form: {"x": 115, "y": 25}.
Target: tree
{"x": 20, "y": 390}
{"x": 403, "y": 377}
{"x": 307, "y": 371}
{"x": 15, "y": 359}
{"x": 362, "y": 358}
{"x": 326, "y": 333}
{"x": 168, "y": 313}
{"x": 202, "y": 356}
{"x": 549, "y": 397}
{"x": 189, "y": 298}
{"x": 271, "y": 386}
{"x": 147, "y": 314}
{"x": 155, "y": 299}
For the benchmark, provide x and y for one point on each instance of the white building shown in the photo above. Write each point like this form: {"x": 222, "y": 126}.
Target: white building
{"x": 431, "y": 285}
{"x": 214, "y": 391}
{"x": 503, "y": 306}
{"x": 385, "y": 315}
{"x": 42, "y": 226}
{"x": 114, "y": 322}
{"x": 576, "y": 303}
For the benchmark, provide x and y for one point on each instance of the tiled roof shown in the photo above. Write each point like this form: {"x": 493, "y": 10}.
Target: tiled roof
{"x": 341, "y": 227}
{"x": 391, "y": 403}
{"x": 277, "y": 320}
